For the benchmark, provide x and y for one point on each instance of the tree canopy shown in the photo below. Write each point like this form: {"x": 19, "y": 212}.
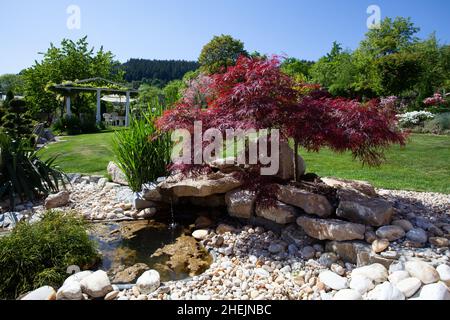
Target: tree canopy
{"x": 220, "y": 53}
{"x": 256, "y": 94}
{"x": 69, "y": 62}
{"x": 390, "y": 61}
{"x": 11, "y": 82}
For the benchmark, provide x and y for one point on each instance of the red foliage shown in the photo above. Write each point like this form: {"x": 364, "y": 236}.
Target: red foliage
{"x": 344, "y": 125}
{"x": 255, "y": 94}
{"x": 251, "y": 95}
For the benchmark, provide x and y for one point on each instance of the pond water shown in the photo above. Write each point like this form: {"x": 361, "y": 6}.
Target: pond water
{"x": 159, "y": 246}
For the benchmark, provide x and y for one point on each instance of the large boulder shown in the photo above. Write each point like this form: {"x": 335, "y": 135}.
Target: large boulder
{"x": 391, "y": 233}
{"x": 10, "y": 219}
{"x": 404, "y": 224}
{"x": 375, "y": 272}
{"x": 286, "y": 170}
{"x": 77, "y": 277}
{"x": 374, "y": 212}
{"x": 57, "y": 200}
{"x": 444, "y": 273}
{"x": 361, "y": 283}
{"x": 96, "y": 285}
{"x": 348, "y": 251}
{"x": 70, "y": 291}
{"x": 361, "y": 209}
{"x": 116, "y": 174}
{"x": 139, "y": 202}
{"x": 422, "y": 271}
{"x": 227, "y": 165}
{"x": 201, "y": 186}
{"x": 409, "y": 286}
{"x": 240, "y": 203}
{"x": 280, "y": 213}
{"x": 332, "y": 280}
{"x": 130, "y": 274}
{"x": 200, "y": 234}
{"x": 385, "y": 291}
{"x": 368, "y": 258}
{"x": 435, "y": 291}
{"x": 148, "y": 282}
{"x": 311, "y": 203}
{"x": 361, "y": 187}
{"x": 331, "y": 229}
{"x": 347, "y": 294}
{"x": 293, "y": 234}
{"x": 150, "y": 192}
{"x": 417, "y": 235}
{"x": 42, "y": 293}
{"x": 48, "y": 135}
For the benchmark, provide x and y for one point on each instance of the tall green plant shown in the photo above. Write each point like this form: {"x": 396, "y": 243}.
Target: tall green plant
{"x": 23, "y": 174}
{"x": 142, "y": 152}
{"x": 39, "y": 254}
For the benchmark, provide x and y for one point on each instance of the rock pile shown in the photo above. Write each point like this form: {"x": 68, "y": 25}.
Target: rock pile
{"x": 331, "y": 239}
{"x": 252, "y": 263}
{"x": 89, "y": 285}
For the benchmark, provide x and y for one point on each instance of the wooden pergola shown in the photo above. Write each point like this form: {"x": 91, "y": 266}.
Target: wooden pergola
{"x": 80, "y": 86}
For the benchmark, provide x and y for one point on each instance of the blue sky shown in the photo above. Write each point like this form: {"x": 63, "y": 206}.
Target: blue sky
{"x": 177, "y": 29}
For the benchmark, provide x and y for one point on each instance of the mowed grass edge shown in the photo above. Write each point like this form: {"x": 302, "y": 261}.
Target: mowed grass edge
{"x": 422, "y": 165}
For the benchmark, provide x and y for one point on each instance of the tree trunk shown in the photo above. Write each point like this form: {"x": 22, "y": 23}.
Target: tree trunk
{"x": 295, "y": 161}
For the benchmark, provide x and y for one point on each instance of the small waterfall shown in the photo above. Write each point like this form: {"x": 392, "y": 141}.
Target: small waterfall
{"x": 172, "y": 224}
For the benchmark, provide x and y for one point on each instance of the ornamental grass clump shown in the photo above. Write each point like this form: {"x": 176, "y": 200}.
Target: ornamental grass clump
{"x": 141, "y": 151}
{"x": 39, "y": 254}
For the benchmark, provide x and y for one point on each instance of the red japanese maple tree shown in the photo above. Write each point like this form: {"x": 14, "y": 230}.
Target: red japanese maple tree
{"x": 256, "y": 94}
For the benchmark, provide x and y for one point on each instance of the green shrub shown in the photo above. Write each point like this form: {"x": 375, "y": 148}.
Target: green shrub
{"x": 439, "y": 125}
{"x": 17, "y": 121}
{"x": 142, "y": 153}
{"x": 39, "y": 254}
{"x": 73, "y": 125}
{"x": 23, "y": 174}
{"x": 88, "y": 124}
{"x": 68, "y": 124}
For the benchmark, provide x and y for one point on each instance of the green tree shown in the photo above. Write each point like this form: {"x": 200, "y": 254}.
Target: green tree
{"x": 149, "y": 97}
{"x": 336, "y": 71}
{"x": 435, "y": 64}
{"x": 13, "y": 82}
{"x": 173, "y": 93}
{"x": 391, "y": 37}
{"x": 220, "y": 53}
{"x": 390, "y": 60}
{"x": 299, "y": 70}
{"x": 190, "y": 76}
{"x": 69, "y": 62}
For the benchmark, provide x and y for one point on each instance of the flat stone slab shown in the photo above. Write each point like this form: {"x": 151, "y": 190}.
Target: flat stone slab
{"x": 309, "y": 202}
{"x": 280, "y": 213}
{"x": 331, "y": 229}
{"x": 201, "y": 186}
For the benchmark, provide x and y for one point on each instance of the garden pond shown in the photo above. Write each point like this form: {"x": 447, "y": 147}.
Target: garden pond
{"x": 128, "y": 248}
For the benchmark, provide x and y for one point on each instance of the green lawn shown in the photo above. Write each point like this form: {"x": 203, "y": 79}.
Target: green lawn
{"x": 423, "y": 165}
{"x": 87, "y": 153}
